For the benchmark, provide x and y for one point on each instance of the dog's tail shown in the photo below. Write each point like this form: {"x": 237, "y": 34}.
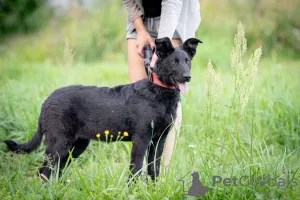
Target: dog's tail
{"x": 28, "y": 146}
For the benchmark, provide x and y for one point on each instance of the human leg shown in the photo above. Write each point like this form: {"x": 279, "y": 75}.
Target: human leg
{"x": 135, "y": 62}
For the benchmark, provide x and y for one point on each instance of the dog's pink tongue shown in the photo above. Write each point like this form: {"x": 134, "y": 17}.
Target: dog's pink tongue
{"x": 183, "y": 87}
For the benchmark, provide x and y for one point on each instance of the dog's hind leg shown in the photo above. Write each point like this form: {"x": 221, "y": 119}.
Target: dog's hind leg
{"x": 79, "y": 146}
{"x": 61, "y": 156}
{"x": 155, "y": 154}
{"x": 56, "y": 154}
{"x": 76, "y": 150}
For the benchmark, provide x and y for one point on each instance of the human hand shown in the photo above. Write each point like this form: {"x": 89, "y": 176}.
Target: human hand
{"x": 143, "y": 38}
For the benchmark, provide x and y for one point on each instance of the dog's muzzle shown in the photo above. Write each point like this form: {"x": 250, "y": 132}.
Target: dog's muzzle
{"x": 187, "y": 77}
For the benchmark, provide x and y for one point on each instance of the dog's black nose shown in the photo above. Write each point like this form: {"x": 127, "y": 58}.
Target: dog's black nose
{"x": 187, "y": 77}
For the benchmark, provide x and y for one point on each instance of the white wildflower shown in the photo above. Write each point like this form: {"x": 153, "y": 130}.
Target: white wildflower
{"x": 244, "y": 77}
{"x": 213, "y": 85}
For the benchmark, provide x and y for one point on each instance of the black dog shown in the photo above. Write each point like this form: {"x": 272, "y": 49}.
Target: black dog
{"x": 141, "y": 112}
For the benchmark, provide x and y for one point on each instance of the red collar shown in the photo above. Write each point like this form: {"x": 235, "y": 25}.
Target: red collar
{"x": 156, "y": 81}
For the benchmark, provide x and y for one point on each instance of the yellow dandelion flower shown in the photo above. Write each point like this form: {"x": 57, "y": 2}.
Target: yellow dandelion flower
{"x": 106, "y": 132}
{"x": 125, "y": 133}
{"x": 98, "y": 135}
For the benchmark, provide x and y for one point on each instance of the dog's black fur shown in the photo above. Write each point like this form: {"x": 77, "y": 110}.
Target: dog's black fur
{"x": 72, "y": 116}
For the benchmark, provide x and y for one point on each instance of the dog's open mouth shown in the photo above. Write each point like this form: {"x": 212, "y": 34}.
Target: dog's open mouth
{"x": 183, "y": 87}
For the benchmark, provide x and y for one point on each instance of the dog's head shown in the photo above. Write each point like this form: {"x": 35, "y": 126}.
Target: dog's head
{"x": 174, "y": 63}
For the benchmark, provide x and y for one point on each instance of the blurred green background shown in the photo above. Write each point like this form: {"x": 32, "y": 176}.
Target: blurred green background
{"x": 94, "y": 30}
{"x": 45, "y": 45}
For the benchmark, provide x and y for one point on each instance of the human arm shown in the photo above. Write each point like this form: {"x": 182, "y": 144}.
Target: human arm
{"x": 135, "y": 16}
{"x": 143, "y": 37}
{"x": 132, "y": 9}
{"x": 170, "y": 13}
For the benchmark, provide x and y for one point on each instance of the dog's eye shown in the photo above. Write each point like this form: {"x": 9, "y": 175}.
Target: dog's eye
{"x": 188, "y": 61}
{"x": 174, "y": 61}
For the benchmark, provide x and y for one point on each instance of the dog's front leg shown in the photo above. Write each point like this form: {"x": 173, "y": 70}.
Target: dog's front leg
{"x": 154, "y": 158}
{"x": 139, "y": 148}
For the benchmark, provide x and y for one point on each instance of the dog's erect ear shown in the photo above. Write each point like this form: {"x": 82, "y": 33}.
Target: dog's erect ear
{"x": 163, "y": 47}
{"x": 190, "y": 46}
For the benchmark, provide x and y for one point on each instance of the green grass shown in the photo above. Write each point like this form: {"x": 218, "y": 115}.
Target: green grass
{"x": 264, "y": 140}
